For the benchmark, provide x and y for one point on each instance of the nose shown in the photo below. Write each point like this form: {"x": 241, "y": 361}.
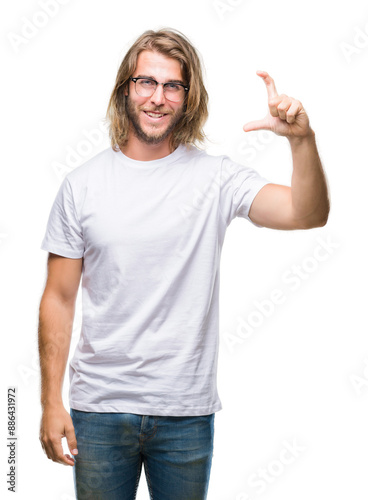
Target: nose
{"x": 158, "y": 97}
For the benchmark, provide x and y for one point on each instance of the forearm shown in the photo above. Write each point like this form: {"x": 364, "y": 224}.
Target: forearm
{"x": 309, "y": 189}
{"x": 54, "y": 335}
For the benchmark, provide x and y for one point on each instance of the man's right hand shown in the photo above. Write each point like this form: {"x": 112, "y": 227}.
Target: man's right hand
{"x": 56, "y": 423}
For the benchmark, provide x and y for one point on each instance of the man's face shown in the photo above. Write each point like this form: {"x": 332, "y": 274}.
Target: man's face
{"x": 152, "y": 119}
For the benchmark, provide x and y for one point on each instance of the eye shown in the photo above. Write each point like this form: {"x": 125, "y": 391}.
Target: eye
{"x": 146, "y": 83}
{"x": 173, "y": 87}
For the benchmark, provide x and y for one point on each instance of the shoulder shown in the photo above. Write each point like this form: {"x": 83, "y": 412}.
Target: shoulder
{"x": 221, "y": 164}
{"x": 90, "y": 167}
{"x": 202, "y": 156}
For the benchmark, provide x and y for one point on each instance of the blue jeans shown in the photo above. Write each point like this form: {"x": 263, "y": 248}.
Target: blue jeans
{"x": 176, "y": 453}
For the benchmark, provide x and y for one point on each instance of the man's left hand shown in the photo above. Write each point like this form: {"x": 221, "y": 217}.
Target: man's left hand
{"x": 286, "y": 115}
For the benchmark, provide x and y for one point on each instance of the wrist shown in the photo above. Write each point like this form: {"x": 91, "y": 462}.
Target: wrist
{"x": 51, "y": 404}
{"x": 309, "y": 137}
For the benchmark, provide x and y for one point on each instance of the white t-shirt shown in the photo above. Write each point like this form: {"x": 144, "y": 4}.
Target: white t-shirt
{"x": 151, "y": 234}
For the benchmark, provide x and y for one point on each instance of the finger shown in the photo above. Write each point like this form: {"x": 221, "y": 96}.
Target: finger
{"x": 292, "y": 112}
{"x": 283, "y": 107}
{"x": 269, "y": 82}
{"x": 70, "y": 437}
{"x": 273, "y": 104}
{"x": 71, "y": 460}
{"x": 256, "y": 125}
{"x": 57, "y": 453}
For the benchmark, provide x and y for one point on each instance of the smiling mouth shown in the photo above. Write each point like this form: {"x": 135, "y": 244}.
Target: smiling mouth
{"x": 152, "y": 114}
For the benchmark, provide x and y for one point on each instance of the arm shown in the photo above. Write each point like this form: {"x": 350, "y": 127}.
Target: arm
{"x": 306, "y": 203}
{"x": 56, "y": 315}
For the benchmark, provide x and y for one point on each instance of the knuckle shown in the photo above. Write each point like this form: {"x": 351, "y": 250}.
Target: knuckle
{"x": 45, "y": 441}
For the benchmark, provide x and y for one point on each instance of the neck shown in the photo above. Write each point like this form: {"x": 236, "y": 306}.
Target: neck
{"x": 138, "y": 150}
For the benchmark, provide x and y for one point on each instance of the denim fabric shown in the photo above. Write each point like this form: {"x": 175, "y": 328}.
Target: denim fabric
{"x": 176, "y": 453}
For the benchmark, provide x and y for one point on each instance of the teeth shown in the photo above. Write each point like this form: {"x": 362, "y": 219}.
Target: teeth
{"x": 154, "y": 115}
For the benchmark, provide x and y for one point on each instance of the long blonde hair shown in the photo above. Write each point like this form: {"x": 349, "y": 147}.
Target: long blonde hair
{"x": 171, "y": 43}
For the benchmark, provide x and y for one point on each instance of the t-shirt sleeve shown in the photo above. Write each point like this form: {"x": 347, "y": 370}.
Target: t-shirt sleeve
{"x": 239, "y": 186}
{"x": 64, "y": 234}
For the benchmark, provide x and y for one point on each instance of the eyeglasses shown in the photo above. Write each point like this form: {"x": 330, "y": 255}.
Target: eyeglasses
{"x": 145, "y": 87}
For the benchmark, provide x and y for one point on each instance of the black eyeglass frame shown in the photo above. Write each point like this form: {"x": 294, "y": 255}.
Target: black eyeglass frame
{"x": 134, "y": 79}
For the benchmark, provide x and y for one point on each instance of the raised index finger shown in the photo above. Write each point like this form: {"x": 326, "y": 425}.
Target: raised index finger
{"x": 270, "y": 84}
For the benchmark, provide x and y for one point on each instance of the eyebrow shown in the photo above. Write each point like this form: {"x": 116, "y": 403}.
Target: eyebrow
{"x": 168, "y": 81}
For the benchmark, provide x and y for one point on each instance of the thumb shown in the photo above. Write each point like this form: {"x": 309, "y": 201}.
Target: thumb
{"x": 256, "y": 125}
{"x": 71, "y": 439}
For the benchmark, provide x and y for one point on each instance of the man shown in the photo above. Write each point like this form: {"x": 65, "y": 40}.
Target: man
{"x": 143, "y": 223}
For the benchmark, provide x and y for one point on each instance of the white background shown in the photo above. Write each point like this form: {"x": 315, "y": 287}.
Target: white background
{"x": 293, "y": 378}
